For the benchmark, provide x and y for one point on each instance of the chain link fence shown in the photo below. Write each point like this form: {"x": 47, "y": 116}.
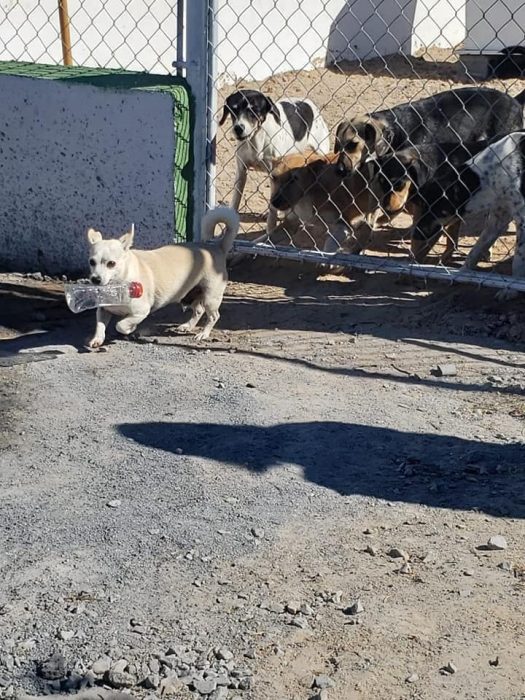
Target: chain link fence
{"x": 352, "y": 58}
{"x": 138, "y": 35}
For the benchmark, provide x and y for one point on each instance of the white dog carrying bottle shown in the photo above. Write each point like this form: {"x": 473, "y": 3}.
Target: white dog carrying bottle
{"x": 81, "y": 296}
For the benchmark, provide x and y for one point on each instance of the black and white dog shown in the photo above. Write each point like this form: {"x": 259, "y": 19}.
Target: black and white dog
{"x": 492, "y": 183}
{"x": 266, "y": 130}
{"x": 461, "y": 115}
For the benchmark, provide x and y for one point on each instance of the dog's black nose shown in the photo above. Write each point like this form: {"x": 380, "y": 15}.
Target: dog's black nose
{"x": 238, "y": 130}
{"x": 340, "y": 169}
{"x": 95, "y": 279}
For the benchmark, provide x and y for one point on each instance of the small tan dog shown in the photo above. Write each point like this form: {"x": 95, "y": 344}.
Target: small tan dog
{"x": 166, "y": 274}
{"x": 309, "y": 185}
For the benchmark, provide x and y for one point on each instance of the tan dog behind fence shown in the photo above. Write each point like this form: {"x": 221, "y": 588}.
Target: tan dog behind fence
{"x": 309, "y": 185}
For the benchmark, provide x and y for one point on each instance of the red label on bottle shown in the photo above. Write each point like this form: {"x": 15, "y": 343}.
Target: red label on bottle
{"x": 135, "y": 290}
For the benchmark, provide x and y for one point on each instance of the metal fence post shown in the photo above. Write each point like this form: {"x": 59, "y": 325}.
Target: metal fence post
{"x": 200, "y": 73}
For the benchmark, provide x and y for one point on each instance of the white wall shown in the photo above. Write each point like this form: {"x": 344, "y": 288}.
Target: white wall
{"x": 491, "y": 26}
{"x": 256, "y": 38}
{"x": 130, "y": 34}
{"x": 75, "y": 156}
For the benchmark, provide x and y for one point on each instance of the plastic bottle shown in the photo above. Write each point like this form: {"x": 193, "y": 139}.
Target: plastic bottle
{"x": 83, "y": 295}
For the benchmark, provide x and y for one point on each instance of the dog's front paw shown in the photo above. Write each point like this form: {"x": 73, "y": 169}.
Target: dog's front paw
{"x": 96, "y": 342}
{"x": 184, "y": 327}
{"x": 203, "y": 335}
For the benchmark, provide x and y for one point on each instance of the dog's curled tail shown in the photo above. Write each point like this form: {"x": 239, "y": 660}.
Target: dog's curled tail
{"x": 221, "y": 215}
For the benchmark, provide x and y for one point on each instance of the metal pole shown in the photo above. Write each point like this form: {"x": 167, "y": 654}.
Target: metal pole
{"x": 65, "y": 36}
{"x": 196, "y": 31}
{"x": 178, "y": 63}
{"x": 211, "y": 126}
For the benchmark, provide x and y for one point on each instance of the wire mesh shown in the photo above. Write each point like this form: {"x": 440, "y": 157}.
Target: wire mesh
{"x": 354, "y": 58}
{"x": 134, "y": 35}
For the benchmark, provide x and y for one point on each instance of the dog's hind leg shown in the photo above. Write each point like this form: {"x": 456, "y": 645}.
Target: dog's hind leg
{"x": 495, "y": 226}
{"x": 212, "y": 301}
{"x": 103, "y": 317}
{"x": 198, "y": 311}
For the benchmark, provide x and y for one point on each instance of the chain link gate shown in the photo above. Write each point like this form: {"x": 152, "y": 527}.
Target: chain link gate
{"x": 350, "y": 58}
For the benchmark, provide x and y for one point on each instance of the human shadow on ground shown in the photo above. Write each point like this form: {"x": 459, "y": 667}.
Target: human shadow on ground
{"x": 350, "y": 459}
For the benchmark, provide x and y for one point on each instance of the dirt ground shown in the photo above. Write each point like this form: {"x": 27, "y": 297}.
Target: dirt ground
{"x": 377, "y": 84}
{"x": 163, "y": 499}
{"x": 221, "y": 520}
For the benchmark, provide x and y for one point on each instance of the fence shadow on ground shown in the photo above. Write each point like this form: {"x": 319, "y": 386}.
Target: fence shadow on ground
{"x": 351, "y": 459}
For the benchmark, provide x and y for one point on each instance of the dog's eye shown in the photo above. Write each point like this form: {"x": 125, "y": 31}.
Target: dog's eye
{"x": 111, "y": 263}
{"x": 399, "y": 186}
{"x": 351, "y": 146}
{"x": 92, "y": 262}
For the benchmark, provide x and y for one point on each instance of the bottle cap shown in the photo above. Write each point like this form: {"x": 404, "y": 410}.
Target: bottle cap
{"x": 135, "y": 290}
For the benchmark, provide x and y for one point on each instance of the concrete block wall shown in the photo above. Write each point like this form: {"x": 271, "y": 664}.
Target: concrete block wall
{"x": 84, "y": 148}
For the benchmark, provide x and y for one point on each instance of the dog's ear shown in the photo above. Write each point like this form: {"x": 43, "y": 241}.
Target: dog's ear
{"x": 339, "y": 136}
{"x": 225, "y": 113}
{"x": 374, "y": 138}
{"x": 272, "y": 109}
{"x": 93, "y": 236}
{"x": 127, "y": 238}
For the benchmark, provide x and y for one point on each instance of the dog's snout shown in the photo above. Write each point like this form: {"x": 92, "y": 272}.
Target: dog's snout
{"x": 238, "y": 130}
{"x": 340, "y": 169}
{"x": 95, "y": 279}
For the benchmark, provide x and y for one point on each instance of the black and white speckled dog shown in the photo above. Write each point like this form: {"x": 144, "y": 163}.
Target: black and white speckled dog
{"x": 266, "y": 130}
{"x": 492, "y": 182}
{"x": 464, "y": 114}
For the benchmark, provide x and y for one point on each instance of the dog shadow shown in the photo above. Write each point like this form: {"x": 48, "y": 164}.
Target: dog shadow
{"x": 434, "y": 470}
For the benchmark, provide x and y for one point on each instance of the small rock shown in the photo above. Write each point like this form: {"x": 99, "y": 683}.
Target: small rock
{"x": 101, "y": 666}
{"x": 405, "y": 569}
{"x": 114, "y": 504}
{"x": 468, "y": 572}
{"x": 293, "y": 607}
{"x": 321, "y": 695}
{"x": 257, "y": 532}
{"x": 323, "y": 682}
{"x": 204, "y": 686}
{"x": 336, "y": 597}
{"x": 371, "y": 550}
{"x": 151, "y": 682}
{"x": 299, "y": 621}
{"x": 54, "y": 668}
{"x": 119, "y": 679}
{"x": 447, "y": 370}
{"x": 506, "y": 565}
{"x": 354, "y": 609}
{"x": 66, "y": 635}
{"x": 220, "y": 385}
{"x": 305, "y": 609}
{"x": 224, "y": 654}
{"x": 497, "y": 543}
{"x": 449, "y": 669}
{"x": 249, "y": 385}
{"x": 245, "y": 683}
{"x": 396, "y": 553}
{"x": 170, "y": 685}
{"x": 179, "y": 451}
{"x": 494, "y": 662}
{"x": 220, "y": 694}
{"x": 413, "y": 678}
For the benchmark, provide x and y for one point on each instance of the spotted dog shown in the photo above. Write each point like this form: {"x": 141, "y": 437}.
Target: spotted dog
{"x": 400, "y": 176}
{"x": 491, "y": 183}
{"x": 462, "y": 115}
{"x": 308, "y": 185}
{"x": 266, "y": 130}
